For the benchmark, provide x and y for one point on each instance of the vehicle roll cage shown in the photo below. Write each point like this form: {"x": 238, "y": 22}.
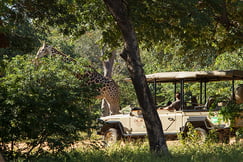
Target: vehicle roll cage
{"x": 203, "y": 77}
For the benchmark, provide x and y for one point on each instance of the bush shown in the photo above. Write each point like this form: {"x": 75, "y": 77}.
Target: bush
{"x": 44, "y": 105}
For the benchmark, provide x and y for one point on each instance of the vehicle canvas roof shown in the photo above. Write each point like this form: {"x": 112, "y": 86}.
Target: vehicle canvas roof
{"x": 197, "y": 76}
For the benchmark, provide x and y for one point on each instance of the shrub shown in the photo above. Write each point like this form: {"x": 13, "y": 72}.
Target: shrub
{"x": 44, "y": 105}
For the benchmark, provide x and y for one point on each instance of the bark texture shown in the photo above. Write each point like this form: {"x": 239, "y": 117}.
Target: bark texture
{"x": 130, "y": 54}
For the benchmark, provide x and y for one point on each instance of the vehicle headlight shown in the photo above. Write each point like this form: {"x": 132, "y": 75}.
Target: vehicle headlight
{"x": 100, "y": 123}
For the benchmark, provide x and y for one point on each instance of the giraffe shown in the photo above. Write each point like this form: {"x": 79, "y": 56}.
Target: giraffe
{"x": 109, "y": 90}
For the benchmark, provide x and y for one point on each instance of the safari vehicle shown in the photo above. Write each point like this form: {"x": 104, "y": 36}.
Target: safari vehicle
{"x": 202, "y": 118}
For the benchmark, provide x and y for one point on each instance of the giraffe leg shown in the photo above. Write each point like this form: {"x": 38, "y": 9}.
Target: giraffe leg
{"x": 114, "y": 108}
{"x": 105, "y": 108}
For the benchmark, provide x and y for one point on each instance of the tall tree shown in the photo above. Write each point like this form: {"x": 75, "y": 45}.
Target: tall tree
{"x": 130, "y": 54}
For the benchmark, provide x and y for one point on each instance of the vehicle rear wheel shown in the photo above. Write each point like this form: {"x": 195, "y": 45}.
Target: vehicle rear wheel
{"x": 201, "y": 134}
{"x": 111, "y": 136}
{"x": 224, "y": 136}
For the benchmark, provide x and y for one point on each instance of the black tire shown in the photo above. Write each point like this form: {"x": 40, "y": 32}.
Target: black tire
{"x": 202, "y": 134}
{"x": 111, "y": 136}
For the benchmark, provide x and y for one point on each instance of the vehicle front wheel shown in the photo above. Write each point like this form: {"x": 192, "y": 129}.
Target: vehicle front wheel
{"x": 111, "y": 136}
{"x": 201, "y": 134}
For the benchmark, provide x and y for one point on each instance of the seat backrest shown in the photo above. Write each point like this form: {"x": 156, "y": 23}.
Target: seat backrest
{"x": 209, "y": 102}
{"x": 239, "y": 94}
{"x": 194, "y": 101}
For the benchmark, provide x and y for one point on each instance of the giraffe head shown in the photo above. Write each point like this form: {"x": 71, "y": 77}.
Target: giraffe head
{"x": 43, "y": 51}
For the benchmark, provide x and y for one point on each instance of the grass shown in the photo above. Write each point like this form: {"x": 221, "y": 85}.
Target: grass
{"x": 139, "y": 152}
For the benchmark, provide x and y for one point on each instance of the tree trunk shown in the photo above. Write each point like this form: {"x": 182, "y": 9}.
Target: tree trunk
{"x": 107, "y": 66}
{"x": 3, "y": 39}
{"x": 130, "y": 54}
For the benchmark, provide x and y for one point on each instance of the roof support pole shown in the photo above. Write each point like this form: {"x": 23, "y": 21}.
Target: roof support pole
{"x": 182, "y": 94}
{"x": 175, "y": 90}
{"x": 233, "y": 88}
{"x": 205, "y": 92}
{"x": 200, "y": 92}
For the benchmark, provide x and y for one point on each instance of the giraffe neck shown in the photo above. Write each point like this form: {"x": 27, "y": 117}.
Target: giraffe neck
{"x": 54, "y": 51}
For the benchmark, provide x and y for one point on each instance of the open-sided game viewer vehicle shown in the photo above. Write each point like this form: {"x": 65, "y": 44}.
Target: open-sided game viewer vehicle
{"x": 200, "y": 115}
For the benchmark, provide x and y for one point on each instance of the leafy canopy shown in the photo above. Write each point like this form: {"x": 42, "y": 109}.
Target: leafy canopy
{"x": 191, "y": 26}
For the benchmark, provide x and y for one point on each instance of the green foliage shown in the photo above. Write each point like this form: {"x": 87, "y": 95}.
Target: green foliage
{"x": 22, "y": 39}
{"x": 239, "y": 134}
{"x": 230, "y": 60}
{"x": 230, "y": 111}
{"x": 87, "y": 46}
{"x": 43, "y": 104}
{"x": 128, "y": 96}
{"x": 195, "y": 29}
{"x": 193, "y": 138}
{"x": 17, "y": 29}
